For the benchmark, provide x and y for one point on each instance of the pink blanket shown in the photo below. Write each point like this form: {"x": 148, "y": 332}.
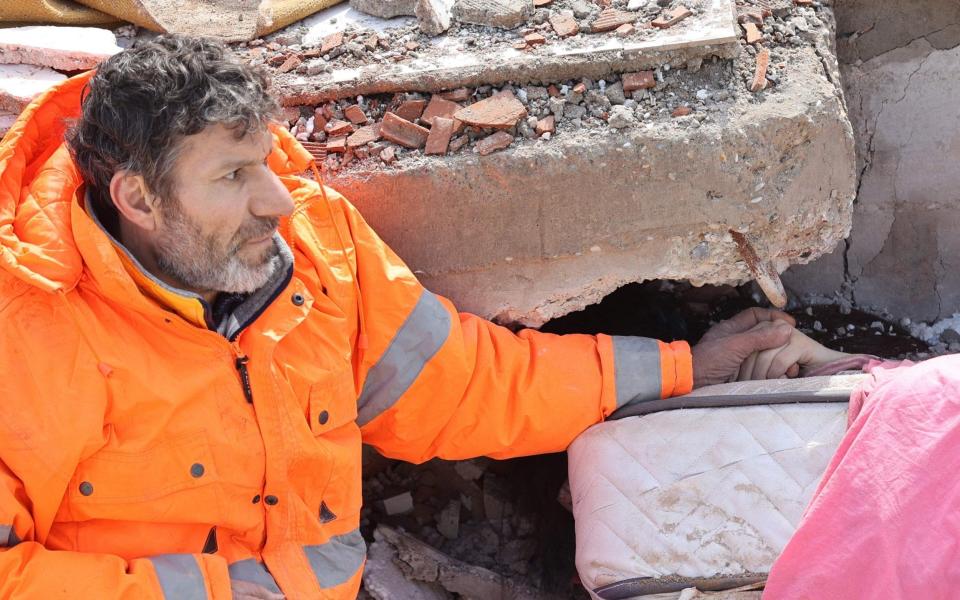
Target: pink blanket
{"x": 885, "y": 521}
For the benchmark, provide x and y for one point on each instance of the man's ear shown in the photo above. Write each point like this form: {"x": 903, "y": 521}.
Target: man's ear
{"x": 133, "y": 200}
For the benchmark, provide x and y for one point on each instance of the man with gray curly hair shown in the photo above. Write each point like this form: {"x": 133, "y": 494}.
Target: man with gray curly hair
{"x": 196, "y": 341}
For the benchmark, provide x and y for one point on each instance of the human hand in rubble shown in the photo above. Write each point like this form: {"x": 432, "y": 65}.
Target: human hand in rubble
{"x": 721, "y": 352}
{"x": 246, "y": 590}
{"x": 798, "y": 356}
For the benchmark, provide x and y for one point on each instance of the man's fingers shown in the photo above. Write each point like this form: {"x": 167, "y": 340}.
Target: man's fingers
{"x": 793, "y": 371}
{"x": 765, "y": 359}
{"x": 746, "y": 368}
{"x": 764, "y": 336}
{"x": 747, "y": 320}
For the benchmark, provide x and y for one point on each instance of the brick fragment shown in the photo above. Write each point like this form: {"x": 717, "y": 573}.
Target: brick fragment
{"x": 401, "y": 131}
{"x": 355, "y": 114}
{"x": 546, "y": 125}
{"x": 439, "y": 107}
{"x": 500, "y": 111}
{"x": 458, "y": 95}
{"x": 311, "y": 53}
{"x": 760, "y": 75}
{"x": 364, "y": 135}
{"x": 439, "y": 137}
{"x": 803, "y": 2}
{"x": 337, "y": 127}
{"x": 334, "y": 40}
{"x": 292, "y": 62}
{"x": 541, "y": 3}
{"x": 64, "y": 48}
{"x": 553, "y": 91}
{"x": 625, "y": 29}
{"x": 640, "y": 80}
{"x": 19, "y": 84}
{"x": 494, "y": 142}
{"x": 580, "y": 88}
{"x": 337, "y": 144}
{"x": 520, "y": 46}
{"x": 317, "y": 150}
{"x": 681, "y": 111}
{"x": 388, "y": 155}
{"x": 672, "y": 17}
{"x": 319, "y": 119}
{"x": 564, "y": 25}
{"x": 411, "y": 45}
{"x": 753, "y": 34}
{"x": 371, "y": 41}
{"x": 751, "y": 16}
{"x": 458, "y": 143}
{"x": 534, "y": 39}
{"x": 411, "y": 109}
{"x": 611, "y": 18}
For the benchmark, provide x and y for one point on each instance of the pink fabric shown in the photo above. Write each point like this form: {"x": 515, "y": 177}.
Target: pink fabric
{"x": 885, "y": 521}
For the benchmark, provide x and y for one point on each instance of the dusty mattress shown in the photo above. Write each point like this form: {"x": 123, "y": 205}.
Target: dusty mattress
{"x": 705, "y": 493}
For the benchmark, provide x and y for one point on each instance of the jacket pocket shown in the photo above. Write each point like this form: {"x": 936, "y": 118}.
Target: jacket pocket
{"x": 173, "y": 480}
{"x": 333, "y": 401}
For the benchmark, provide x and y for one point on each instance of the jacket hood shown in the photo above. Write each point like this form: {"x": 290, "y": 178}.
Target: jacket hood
{"x": 41, "y": 188}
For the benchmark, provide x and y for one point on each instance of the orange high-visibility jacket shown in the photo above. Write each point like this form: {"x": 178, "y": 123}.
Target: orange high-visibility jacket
{"x": 132, "y": 464}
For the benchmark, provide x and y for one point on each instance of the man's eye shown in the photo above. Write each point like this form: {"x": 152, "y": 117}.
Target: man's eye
{"x": 232, "y": 175}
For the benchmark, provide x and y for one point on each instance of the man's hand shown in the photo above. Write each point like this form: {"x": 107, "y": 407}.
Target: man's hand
{"x": 800, "y": 352}
{"x": 722, "y": 350}
{"x": 246, "y": 590}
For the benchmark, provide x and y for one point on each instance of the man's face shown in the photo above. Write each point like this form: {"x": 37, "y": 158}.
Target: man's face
{"x": 216, "y": 233}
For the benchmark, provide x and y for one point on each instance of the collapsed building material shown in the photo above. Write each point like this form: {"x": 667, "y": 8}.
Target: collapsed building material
{"x": 434, "y": 16}
{"x": 385, "y": 9}
{"x": 506, "y": 14}
{"x": 63, "y": 48}
{"x": 19, "y": 84}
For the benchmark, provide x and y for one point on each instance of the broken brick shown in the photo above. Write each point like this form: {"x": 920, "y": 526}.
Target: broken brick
{"x": 553, "y": 91}
{"x": 439, "y": 107}
{"x": 520, "y": 46}
{"x": 492, "y": 143}
{"x": 541, "y": 3}
{"x": 318, "y": 151}
{"x": 276, "y": 60}
{"x": 355, "y": 114}
{"x": 458, "y": 143}
{"x": 457, "y": 95}
{"x": 753, "y": 16}
{"x": 19, "y": 84}
{"x": 370, "y": 43}
{"x": 334, "y": 40}
{"x": 753, "y": 34}
{"x": 500, "y": 111}
{"x": 319, "y": 119}
{"x": 580, "y": 88}
{"x": 640, "y": 80}
{"x": 410, "y": 110}
{"x": 611, "y": 18}
{"x": 672, "y": 17}
{"x": 625, "y": 29}
{"x": 411, "y": 45}
{"x": 63, "y": 48}
{"x": 337, "y": 127}
{"x": 534, "y": 39}
{"x": 388, "y": 155}
{"x": 564, "y": 25}
{"x": 760, "y": 75}
{"x": 440, "y": 134}
{"x": 311, "y": 53}
{"x": 547, "y": 124}
{"x": 290, "y": 64}
{"x": 337, "y": 144}
{"x": 401, "y": 131}
{"x": 803, "y": 2}
{"x": 681, "y": 111}
{"x": 364, "y": 135}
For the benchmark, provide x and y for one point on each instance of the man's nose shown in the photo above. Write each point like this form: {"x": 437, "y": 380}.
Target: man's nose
{"x": 270, "y": 196}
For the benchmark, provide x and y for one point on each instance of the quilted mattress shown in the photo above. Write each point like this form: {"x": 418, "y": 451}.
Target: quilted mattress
{"x": 705, "y": 493}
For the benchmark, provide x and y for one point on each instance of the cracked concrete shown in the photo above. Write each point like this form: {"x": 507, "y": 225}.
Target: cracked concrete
{"x": 899, "y": 73}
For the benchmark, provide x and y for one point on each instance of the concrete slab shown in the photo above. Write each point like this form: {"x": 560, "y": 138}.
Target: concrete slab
{"x": 19, "y": 84}
{"x": 6, "y": 121}
{"x": 63, "y": 48}
{"x": 445, "y": 63}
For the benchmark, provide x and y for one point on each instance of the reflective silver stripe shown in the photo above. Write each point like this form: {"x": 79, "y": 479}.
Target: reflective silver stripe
{"x": 637, "y": 368}
{"x": 335, "y": 562}
{"x": 8, "y": 536}
{"x": 417, "y": 340}
{"x": 180, "y": 576}
{"x": 254, "y": 572}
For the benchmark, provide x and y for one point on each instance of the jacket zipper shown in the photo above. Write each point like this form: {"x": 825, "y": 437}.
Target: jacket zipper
{"x": 241, "y": 364}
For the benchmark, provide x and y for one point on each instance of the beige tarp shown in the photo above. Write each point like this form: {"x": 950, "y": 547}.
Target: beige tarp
{"x": 232, "y": 20}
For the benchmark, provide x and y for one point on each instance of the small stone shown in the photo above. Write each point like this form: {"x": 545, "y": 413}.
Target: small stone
{"x": 703, "y": 95}
{"x": 292, "y": 62}
{"x": 614, "y": 92}
{"x": 534, "y": 39}
{"x": 546, "y": 125}
{"x": 637, "y": 4}
{"x": 433, "y": 16}
{"x": 621, "y": 117}
{"x": 334, "y": 40}
{"x": 458, "y": 143}
{"x": 492, "y": 143}
{"x": 448, "y": 521}
{"x": 388, "y": 155}
{"x": 950, "y": 336}
{"x": 681, "y": 111}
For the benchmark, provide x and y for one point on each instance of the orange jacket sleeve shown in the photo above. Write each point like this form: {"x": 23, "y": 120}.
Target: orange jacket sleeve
{"x": 436, "y": 382}
{"x": 29, "y": 570}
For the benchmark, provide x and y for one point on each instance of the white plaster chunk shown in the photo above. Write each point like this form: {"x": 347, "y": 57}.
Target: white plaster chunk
{"x": 63, "y": 48}
{"x": 19, "y": 84}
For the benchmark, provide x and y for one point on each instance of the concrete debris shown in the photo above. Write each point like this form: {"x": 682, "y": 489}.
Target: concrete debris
{"x": 7, "y": 119}
{"x": 621, "y": 117}
{"x": 471, "y": 470}
{"x": 434, "y": 16}
{"x": 505, "y": 14}
{"x": 398, "y": 505}
{"x": 385, "y": 9}
{"x": 448, "y": 523}
{"x": 500, "y": 111}
{"x": 63, "y": 48}
{"x": 384, "y": 580}
{"x": 19, "y": 84}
